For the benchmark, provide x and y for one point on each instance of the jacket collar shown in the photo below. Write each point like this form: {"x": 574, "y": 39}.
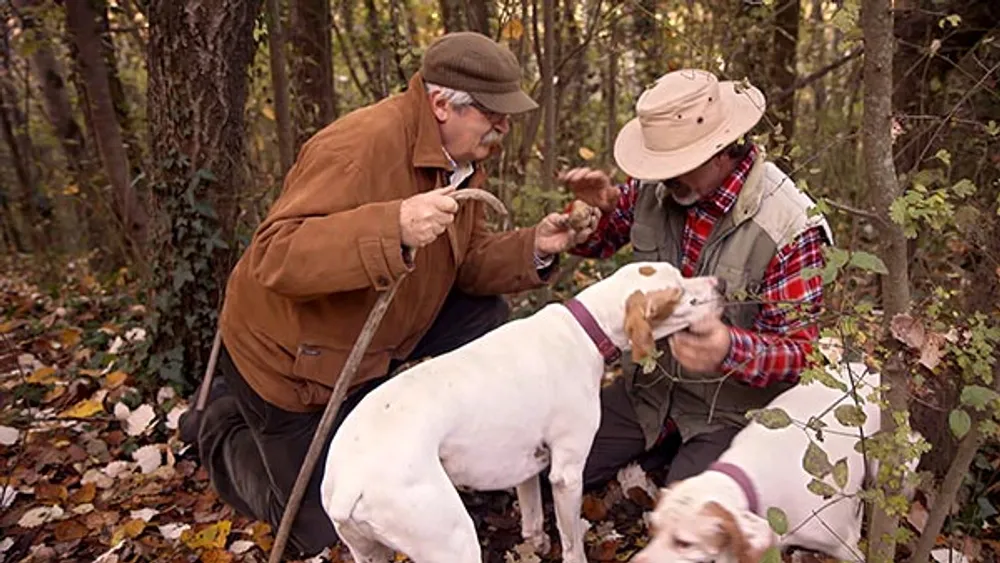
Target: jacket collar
{"x": 428, "y": 150}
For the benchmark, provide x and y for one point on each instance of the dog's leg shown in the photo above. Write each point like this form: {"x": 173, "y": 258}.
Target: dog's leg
{"x": 567, "y": 495}
{"x": 529, "y": 497}
{"x": 363, "y": 548}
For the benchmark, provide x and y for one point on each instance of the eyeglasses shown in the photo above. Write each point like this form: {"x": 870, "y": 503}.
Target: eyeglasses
{"x": 491, "y": 116}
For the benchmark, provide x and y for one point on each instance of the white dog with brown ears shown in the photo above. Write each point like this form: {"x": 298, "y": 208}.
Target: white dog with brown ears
{"x": 493, "y": 414}
{"x": 720, "y": 514}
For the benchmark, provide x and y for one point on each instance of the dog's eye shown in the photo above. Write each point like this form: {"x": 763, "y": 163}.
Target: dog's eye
{"x": 681, "y": 544}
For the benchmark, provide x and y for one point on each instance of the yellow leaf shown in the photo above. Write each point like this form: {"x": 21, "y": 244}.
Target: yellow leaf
{"x": 216, "y": 556}
{"x": 268, "y": 112}
{"x": 43, "y": 375}
{"x": 70, "y": 337}
{"x": 260, "y": 532}
{"x": 130, "y": 529}
{"x": 115, "y": 379}
{"x": 90, "y": 372}
{"x": 83, "y": 409}
{"x": 513, "y": 30}
{"x": 71, "y": 189}
{"x": 212, "y": 536}
{"x": 53, "y": 394}
{"x": 9, "y": 326}
{"x": 586, "y": 153}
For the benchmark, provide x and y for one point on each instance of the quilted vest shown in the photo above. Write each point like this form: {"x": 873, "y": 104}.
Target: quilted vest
{"x": 769, "y": 213}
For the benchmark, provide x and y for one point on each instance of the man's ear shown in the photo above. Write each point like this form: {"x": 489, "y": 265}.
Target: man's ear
{"x": 440, "y": 106}
{"x": 661, "y": 303}
{"x": 637, "y": 327}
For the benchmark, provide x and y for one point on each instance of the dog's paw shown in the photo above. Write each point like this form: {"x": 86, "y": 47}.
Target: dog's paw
{"x": 540, "y": 543}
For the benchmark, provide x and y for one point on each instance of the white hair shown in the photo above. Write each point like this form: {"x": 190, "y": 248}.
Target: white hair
{"x": 457, "y": 98}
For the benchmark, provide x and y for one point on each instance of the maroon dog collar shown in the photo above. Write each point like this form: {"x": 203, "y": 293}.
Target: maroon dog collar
{"x": 736, "y": 474}
{"x": 608, "y": 350}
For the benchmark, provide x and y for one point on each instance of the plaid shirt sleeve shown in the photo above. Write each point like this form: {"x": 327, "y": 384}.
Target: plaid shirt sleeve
{"x": 614, "y": 229}
{"x": 778, "y": 349}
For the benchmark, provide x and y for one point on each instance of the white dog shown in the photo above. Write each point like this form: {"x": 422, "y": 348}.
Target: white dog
{"x": 491, "y": 415}
{"x": 719, "y": 515}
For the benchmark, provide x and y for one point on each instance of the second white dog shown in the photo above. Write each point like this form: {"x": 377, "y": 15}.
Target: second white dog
{"x": 490, "y": 416}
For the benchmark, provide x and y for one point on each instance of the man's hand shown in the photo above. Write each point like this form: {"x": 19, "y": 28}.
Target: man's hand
{"x": 703, "y": 346}
{"x": 555, "y": 233}
{"x": 592, "y": 187}
{"x": 423, "y": 217}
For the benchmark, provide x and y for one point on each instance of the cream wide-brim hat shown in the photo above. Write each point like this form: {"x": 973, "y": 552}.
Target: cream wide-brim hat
{"x": 682, "y": 121}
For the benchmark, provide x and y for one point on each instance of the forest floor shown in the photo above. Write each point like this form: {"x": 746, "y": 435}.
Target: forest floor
{"x": 91, "y": 468}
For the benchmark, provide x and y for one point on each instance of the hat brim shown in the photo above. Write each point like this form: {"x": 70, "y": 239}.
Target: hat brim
{"x": 743, "y": 111}
{"x": 505, "y": 102}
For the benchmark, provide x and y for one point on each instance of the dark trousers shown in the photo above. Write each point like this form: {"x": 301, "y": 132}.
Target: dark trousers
{"x": 253, "y": 450}
{"x": 620, "y": 441}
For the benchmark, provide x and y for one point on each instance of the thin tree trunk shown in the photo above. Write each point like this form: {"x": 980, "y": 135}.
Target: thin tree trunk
{"x": 611, "y": 95}
{"x": 876, "y": 22}
{"x": 82, "y": 21}
{"x": 199, "y": 56}
{"x": 312, "y": 67}
{"x": 451, "y": 15}
{"x": 20, "y": 156}
{"x": 279, "y": 84}
{"x": 477, "y": 14}
{"x": 549, "y": 95}
{"x": 783, "y": 73}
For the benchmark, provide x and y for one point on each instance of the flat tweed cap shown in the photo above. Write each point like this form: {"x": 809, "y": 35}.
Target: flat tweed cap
{"x": 474, "y": 63}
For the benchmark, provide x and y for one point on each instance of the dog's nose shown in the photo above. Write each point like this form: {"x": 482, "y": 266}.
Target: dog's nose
{"x": 720, "y": 286}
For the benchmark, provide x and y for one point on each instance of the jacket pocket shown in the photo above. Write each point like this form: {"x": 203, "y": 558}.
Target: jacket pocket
{"x": 315, "y": 368}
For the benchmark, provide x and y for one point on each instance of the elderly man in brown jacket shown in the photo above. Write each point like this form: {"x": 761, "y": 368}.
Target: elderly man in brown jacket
{"x": 365, "y": 191}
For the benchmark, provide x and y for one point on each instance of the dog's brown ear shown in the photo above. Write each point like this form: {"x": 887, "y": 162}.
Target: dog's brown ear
{"x": 637, "y": 327}
{"x": 661, "y": 303}
{"x": 731, "y": 534}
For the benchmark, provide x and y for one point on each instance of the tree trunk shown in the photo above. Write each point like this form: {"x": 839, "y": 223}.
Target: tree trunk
{"x": 646, "y": 33}
{"x": 312, "y": 67}
{"x": 451, "y": 15}
{"x": 550, "y": 151}
{"x": 199, "y": 55}
{"x": 876, "y": 22}
{"x": 783, "y": 73}
{"x": 83, "y": 24}
{"x": 611, "y": 95}
{"x": 279, "y": 84}
{"x": 477, "y": 15}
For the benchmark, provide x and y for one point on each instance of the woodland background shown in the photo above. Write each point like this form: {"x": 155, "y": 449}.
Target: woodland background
{"x": 143, "y": 141}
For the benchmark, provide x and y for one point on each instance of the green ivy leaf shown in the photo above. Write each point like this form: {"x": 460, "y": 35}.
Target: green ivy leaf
{"x": 850, "y": 415}
{"x": 944, "y": 156}
{"x": 772, "y": 555}
{"x": 868, "y": 262}
{"x": 977, "y": 396}
{"x": 820, "y": 488}
{"x": 778, "y": 520}
{"x": 840, "y": 472}
{"x": 772, "y": 418}
{"x": 963, "y": 188}
{"x": 816, "y": 462}
{"x": 960, "y": 423}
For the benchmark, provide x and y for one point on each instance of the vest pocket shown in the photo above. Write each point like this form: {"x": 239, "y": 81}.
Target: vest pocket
{"x": 643, "y": 242}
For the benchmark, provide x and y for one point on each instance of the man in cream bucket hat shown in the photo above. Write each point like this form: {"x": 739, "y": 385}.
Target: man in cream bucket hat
{"x": 703, "y": 197}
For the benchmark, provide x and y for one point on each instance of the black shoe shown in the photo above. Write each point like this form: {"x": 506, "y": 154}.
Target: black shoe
{"x": 664, "y": 449}
{"x": 190, "y": 421}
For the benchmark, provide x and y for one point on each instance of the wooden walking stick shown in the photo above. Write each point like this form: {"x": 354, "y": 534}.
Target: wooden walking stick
{"x": 343, "y": 382}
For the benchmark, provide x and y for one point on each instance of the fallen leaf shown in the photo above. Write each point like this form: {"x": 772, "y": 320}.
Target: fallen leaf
{"x": 908, "y": 330}
{"x": 83, "y": 409}
{"x": 148, "y": 457}
{"x": 173, "y": 530}
{"x": 130, "y": 529}
{"x": 164, "y": 394}
{"x": 69, "y": 530}
{"x": 9, "y": 436}
{"x": 260, "y": 532}
{"x": 115, "y": 379}
{"x": 586, "y": 153}
{"x": 53, "y": 394}
{"x": 98, "y": 478}
{"x": 43, "y": 376}
{"x": 40, "y": 515}
{"x": 174, "y": 416}
{"x": 51, "y": 494}
{"x": 210, "y": 536}
{"x": 216, "y": 556}
{"x": 7, "y": 496}
{"x": 932, "y": 351}
{"x": 144, "y": 514}
{"x": 240, "y": 547}
{"x": 70, "y": 337}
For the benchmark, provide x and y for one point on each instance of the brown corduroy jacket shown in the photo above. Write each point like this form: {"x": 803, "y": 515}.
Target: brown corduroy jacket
{"x": 298, "y": 297}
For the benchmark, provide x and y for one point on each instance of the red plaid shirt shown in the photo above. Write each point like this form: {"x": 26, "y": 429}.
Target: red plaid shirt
{"x": 778, "y": 347}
